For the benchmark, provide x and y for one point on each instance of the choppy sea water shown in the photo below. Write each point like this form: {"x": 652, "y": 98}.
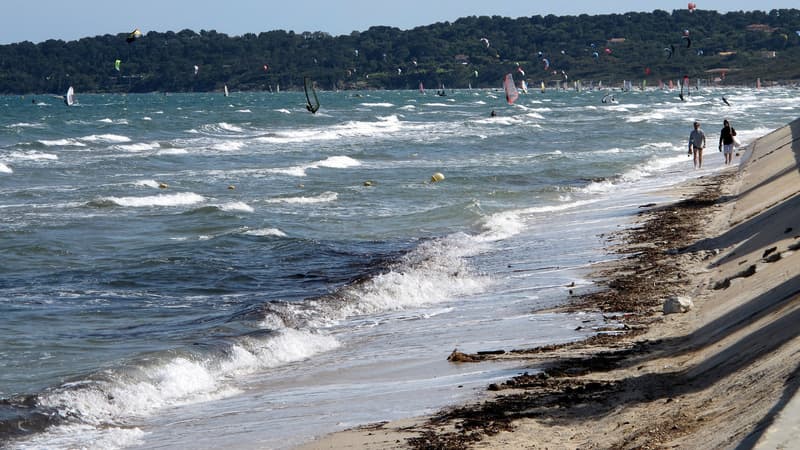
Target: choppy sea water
{"x": 196, "y": 271}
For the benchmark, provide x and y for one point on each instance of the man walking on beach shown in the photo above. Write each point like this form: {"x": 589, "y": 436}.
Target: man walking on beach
{"x": 726, "y": 141}
{"x": 697, "y": 142}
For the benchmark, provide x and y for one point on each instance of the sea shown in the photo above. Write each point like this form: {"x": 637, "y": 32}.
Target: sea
{"x": 195, "y": 271}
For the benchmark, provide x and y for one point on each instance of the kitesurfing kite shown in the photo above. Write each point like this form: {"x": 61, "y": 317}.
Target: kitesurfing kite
{"x": 117, "y": 64}
{"x": 312, "y": 102}
{"x": 485, "y": 42}
{"x": 196, "y": 69}
{"x": 686, "y": 37}
{"x": 546, "y": 64}
{"x": 511, "y": 90}
{"x": 135, "y": 34}
{"x": 692, "y": 7}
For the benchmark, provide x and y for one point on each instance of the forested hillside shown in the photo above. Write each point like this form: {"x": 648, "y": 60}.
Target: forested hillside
{"x": 474, "y": 51}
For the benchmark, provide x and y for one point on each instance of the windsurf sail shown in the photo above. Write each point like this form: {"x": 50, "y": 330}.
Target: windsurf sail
{"x": 511, "y": 90}
{"x": 225, "y": 89}
{"x": 312, "y": 102}
{"x": 117, "y": 63}
{"x": 523, "y": 86}
{"x": 421, "y": 88}
{"x": 69, "y": 99}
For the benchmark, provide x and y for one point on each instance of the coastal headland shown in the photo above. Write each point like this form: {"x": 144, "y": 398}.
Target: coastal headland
{"x": 722, "y": 374}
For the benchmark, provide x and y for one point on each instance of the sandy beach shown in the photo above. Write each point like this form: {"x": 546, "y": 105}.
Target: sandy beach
{"x": 721, "y": 375}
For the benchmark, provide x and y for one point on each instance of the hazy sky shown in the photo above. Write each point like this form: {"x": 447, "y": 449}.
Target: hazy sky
{"x": 39, "y": 20}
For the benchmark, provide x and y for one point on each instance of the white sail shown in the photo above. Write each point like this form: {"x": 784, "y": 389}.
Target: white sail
{"x": 225, "y": 89}
{"x": 69, "y": 99}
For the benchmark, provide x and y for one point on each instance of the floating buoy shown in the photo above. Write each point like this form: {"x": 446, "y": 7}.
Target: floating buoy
{"x": 437, "y": 177}
{"x": 231, "y": 187}
{"x": 163, "y": 185}
{"x": 368, "y": 183}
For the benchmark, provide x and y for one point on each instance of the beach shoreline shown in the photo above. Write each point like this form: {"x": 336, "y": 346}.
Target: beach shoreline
{"x": 719, "y": 374}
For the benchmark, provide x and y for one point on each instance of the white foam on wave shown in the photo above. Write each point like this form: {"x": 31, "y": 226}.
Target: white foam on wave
{"x": 147, "y": 183}
{"x": 230, "y": 127}
{"x": 237, "y": 207}
{"x": 139, "y": 147}
{"x": 244, "y": 111}
{"x": 32, "y": 156}
{"x": 506, "y": 224}
{"x": 180, "y": 199}
{"x": 228, "y": 146}
{"x": 112, "y": 138}
{"x": 25, "y": 125}
{"x": 378, "y": 105}
{"x": 5, "y": 169}
{"x": 325, "y": 197}
{"x": 173, "y": 151}
{"x": 96, "y": 408}
{"x": 61, "y": 143}
{"x": 646, "y": 117}
{"x": 384, "y": 126}
{"x": 114, "y": 121}
{"x": 333, "y": 162}
{"x": 408, "y": 108}
{"x": 79, "y": 436}
{"x": 283, "y": 110}
{"x": 435, "y": 272}
{"x": 637, "y": 173}
{"x": 266, "y": 232}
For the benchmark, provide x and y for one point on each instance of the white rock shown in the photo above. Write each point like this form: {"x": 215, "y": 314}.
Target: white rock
{"x": 677, "y": 305}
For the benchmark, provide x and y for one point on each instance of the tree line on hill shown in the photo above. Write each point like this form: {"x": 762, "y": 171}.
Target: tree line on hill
{"x": 733, "y": 48}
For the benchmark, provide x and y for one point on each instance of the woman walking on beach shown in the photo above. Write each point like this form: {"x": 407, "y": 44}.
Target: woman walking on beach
{"x": 726, "y": 141}
{"x": 697, "y": 142}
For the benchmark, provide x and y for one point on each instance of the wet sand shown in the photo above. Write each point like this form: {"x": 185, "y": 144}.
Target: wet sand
{"x": 722, "y": 375}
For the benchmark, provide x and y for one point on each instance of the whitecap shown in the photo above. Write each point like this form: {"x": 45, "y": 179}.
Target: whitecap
{"x": 173, "y": 151}
{"x": 266, "y": 232}
{"x": 114, "y": 121}
{"x": 180, "y": 199}
{"x": 113, "y": 138}
{"x": 335, "y": 162}
{"x": 5, "y": 168}
{"x": 32, "y": 156}
{"x": 25, "y": 125}
{"x": 61, "y": 143}
{"x": 325, "y": 197}
{"x": 147, "y": 183}
{"x": 236, "y": 206}
{"x": 228, "y": 146}
{"x": 139, "y": 147}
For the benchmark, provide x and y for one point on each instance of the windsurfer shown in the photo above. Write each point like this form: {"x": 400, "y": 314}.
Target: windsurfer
{"x": 493, "y": 114}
